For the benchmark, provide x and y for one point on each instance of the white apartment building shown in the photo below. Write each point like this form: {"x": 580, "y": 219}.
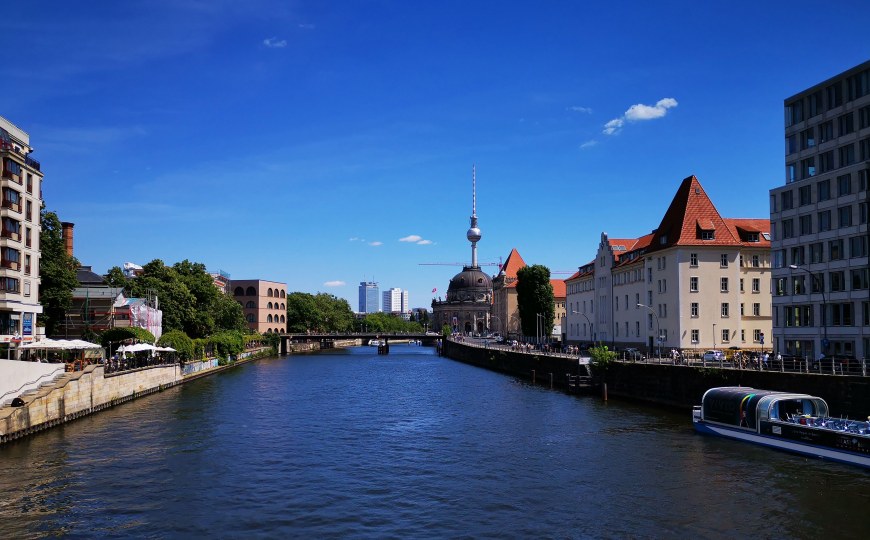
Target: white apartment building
{"x": 396, "y": 301}
{"x": 702, "y": 281}
{"x": 21, "y": 182}
{"x": 821, "y": 293}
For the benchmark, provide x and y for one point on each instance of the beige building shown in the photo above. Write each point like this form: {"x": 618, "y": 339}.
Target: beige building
{"x": 264, "y": 304}
{"x": 821, "y": 278}
{"x": 21, "y": 182}
{"x": 505, "y": 314}
{"x": 698, "y": 281}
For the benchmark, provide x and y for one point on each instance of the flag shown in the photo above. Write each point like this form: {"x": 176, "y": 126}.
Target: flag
{"x": 435, "y": 290}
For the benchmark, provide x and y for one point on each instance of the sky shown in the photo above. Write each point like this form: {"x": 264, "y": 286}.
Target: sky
{"x": 323, "y": 144}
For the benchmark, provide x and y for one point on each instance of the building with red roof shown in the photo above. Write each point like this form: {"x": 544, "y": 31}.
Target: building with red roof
{"x": 698, "y": 281}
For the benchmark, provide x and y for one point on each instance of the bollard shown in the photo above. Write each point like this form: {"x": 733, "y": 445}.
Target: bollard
{"x": 551, "y": 381}
{"x": 533, "y": 376}
{"x": 604, "y": 391}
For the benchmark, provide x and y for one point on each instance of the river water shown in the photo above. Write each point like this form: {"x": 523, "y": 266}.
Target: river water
{"x": 350, "y": 444}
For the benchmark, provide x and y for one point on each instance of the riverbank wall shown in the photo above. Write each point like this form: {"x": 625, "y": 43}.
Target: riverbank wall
{"x": 673, "y": 386}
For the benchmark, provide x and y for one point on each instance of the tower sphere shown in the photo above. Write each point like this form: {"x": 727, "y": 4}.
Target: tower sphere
{"x": 473, "y": 234}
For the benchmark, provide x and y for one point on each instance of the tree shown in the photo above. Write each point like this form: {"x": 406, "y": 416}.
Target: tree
{"x": 57, "y": 273}
{"x": 116, "y": 278}
{"x": 179, "y": 341}
{"x": 534, "y": 297}
{"x": 302, "y": 312}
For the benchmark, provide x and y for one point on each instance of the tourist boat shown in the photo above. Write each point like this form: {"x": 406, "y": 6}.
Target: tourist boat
{"x": 376, "y": 342}
{"x": 796, "y": 423}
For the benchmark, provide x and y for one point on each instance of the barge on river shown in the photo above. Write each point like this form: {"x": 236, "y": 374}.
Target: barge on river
{"x": 796, "y": 423}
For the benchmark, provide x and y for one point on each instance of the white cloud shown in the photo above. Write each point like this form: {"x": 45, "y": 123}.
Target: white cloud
{"x": 424, "y": 242}
{"x": 411, "y": 238}
{"x": 275, "y": 43}
{"x": 589, "y": 144}
{"x": 336, "y": 283}
{"x": 376, "y": 243}
{"x": 586, "y": 110}
{"x": 639, "y": 112}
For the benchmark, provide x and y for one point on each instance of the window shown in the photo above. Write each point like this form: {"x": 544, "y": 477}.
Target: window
{"x": 786, "y": 199}
{"x": 864, "y": 117}
{"x": 837, "y": 281}
{"x": 844, "y": 185}
{"x": 814, "y": 104}
{"x": 26, "y": 288}
{"x": 693, "y": 260}
{"x": 826, "y": 131}
{"x": 742, "y": 335}
{"x": 28, "y": 241}
{"x": 835, "y": 250}
{"x": 817, "y": 253}
{"x": 724, "y": 309}
{"x": 857, "y": 247}
{"x": 797, "y": 255}
{"x": 860, "y": 279}
{"x": 817, "y": 282}
{"x": 788, "y": 228}
{"x": 805, "y": 195}
{"x": 756, "y": 285}
{"x": 725, "y": 335}
{"x": 694, "y": 309}
{"x": 756, "y": 335}
{"x": 723, "y": 260}
{"x": 28, "y": 210}
{"x": 741, "y": 309}
{"x": 808, "y": 138}
{"x": 844, "y": 216}
{"x": 756, "y": 261}
{"x": 780, "y": 286}
{"x": 693, "y": 284}
{"x": 845, "y": 124}
{"x": 790, "y": 173}
{"x": 27, "y": 264}
{"x": 834, "y": 95}
{"x": 826, "y": 161}
{"x": 790, "y": 144}
{"x": 756, "y": 309}
{"x": 846, "y": 155}
{"x": 741, "y": 284}
{"x": 823, "y": 190}
{"x": 696, "y": 336}
{"x": 707, "y": 235}
{"x": 798, "y": 285}
{"x": 8, "y": 284}
{"x": 841, "y": 314}
{"x": 723, "y": 284}
{"x": 824, "y": 221}
{"x": 806, "y": 224}
{"x": 250, "y": 304}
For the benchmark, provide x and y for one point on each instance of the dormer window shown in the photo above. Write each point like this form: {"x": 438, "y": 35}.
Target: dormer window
{"x": 752, "y": 237}
{"x": 707, "y": 235}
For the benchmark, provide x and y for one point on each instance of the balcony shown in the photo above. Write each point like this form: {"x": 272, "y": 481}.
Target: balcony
{"x": 11, "y": 265}
{"x": 32, "y": 163}
{"x": 12, "y": 235}
{"x": 12, "y": 205}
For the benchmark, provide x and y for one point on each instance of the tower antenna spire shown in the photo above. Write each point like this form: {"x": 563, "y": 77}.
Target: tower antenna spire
{"x": 473, "y": 233}
{"x": 473, "y": 191}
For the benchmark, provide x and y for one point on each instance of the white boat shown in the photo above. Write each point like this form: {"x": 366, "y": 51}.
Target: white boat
{"x": 797, "y": 423}
{"x": 376, "y": 342}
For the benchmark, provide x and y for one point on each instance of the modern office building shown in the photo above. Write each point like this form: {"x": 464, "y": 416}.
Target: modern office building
{"x": 819, "y": 221}
{"x": 368, "y": 297}
{"x": 396, "y": 301}
{"x": 21, "y": 182}
{"x": 698, "y": 281}
{"x": 264, "y": 304}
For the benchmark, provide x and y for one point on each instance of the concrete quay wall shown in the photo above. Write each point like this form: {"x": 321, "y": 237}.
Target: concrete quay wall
{"x": 676, "y": 386}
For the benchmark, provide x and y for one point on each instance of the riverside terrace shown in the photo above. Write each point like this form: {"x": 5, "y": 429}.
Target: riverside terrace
{"x": 326, "y": 339}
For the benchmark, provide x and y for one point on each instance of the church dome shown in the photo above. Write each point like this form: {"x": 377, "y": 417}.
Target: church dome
{"x": 470, "y": 285}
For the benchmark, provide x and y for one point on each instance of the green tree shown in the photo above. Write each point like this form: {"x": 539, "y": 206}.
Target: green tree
{"x": 303, "y": 313}
{"x": 116, "y": 278}
{"x": 535, "y": 296}
{"x": 179, "y": 341}
{"x": 57, "y": 273}
{"x": 228, "y": 314}
{"x": 335, "y": 314}
{"x": 601, "y": 359}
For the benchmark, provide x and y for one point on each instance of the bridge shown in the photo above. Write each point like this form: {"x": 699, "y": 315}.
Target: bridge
{"x": 327, "y": 339}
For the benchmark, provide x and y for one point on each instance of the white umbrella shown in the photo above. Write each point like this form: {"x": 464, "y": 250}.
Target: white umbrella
{"x": 164, "y": 349}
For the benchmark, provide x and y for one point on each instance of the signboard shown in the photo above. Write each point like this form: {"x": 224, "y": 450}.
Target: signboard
{"x": 27, "y": 324}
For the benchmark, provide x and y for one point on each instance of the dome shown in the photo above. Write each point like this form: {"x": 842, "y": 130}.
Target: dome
{"x": 470, "y": 285}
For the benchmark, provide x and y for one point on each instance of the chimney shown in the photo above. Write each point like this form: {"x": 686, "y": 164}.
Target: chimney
{"x": 67, "y": 235}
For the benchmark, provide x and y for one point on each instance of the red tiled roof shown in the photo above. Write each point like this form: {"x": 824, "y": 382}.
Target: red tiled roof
{"x": 741, "y": 227}
{"x": 690, "y": 212}
{"x": 513, "y": 263}
{"x": 559, "y": 289}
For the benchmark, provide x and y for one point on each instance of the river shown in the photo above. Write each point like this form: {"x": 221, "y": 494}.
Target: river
{"x": 347, "y": 443}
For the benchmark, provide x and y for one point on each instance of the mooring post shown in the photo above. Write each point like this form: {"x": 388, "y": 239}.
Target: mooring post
{"x": 533, "y": 376}
{"x": 551, "y": 381}
{"x": 604, "y": 391}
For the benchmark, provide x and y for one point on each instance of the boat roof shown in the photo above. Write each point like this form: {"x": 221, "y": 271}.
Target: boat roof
{"x": 730, "y": 392}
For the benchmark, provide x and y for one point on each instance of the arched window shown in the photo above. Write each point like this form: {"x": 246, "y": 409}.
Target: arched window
{"x": 239, "y": 292}
{"x": 282, "y": 306}
{"x": 251, "y": 292}
{"x": 269, "y": 331}
{"x": 282, "y": 318}
{"x": 249, "y": 317}
{"x": 251, "y": 305}
{"x": 283, "y": 294}
{"x": 270, "y": 305}
{"x": 268, "y": 318}
{"x": 269, "y": 292}
{"x": 282, "y": 330}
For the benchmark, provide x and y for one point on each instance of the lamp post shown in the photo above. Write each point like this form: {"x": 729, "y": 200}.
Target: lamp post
{"x": 588, "y": 321}
{"x": 539, "y": 326}
{"x": 815, "y": 279}
{"x": 658, "y": 329}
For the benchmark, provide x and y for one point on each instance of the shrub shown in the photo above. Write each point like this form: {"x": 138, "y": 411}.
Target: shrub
{"x": 179, "y": 341}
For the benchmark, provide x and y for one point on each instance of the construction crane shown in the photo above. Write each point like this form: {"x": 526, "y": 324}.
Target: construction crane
{"x": 499, "y": 264}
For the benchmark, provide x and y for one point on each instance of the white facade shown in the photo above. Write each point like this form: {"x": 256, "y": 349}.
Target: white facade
{"x": 21, "y": 183}
{"x": 396, "y": 301}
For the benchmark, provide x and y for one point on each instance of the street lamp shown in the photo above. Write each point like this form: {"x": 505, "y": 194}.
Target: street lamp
{"x": 539, "y": 326}
{"x": 658, "y": 329}
{"x": 588, "y": 321}
{"x": 499, "y": 321}
{"x": 824, "y": 303}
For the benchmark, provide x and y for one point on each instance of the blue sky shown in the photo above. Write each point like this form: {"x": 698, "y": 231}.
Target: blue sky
{"x": 302, "y": 141}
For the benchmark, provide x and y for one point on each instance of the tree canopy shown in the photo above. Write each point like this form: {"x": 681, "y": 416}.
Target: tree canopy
{"x": 534, "y": 297}
{"x": 387, "y": 323}
{"x": 57, "y": 273}
{"x": 319, "y": 312}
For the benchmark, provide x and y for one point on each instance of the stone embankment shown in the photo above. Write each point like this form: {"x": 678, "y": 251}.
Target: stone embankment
{"x": 676, "y": 386}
